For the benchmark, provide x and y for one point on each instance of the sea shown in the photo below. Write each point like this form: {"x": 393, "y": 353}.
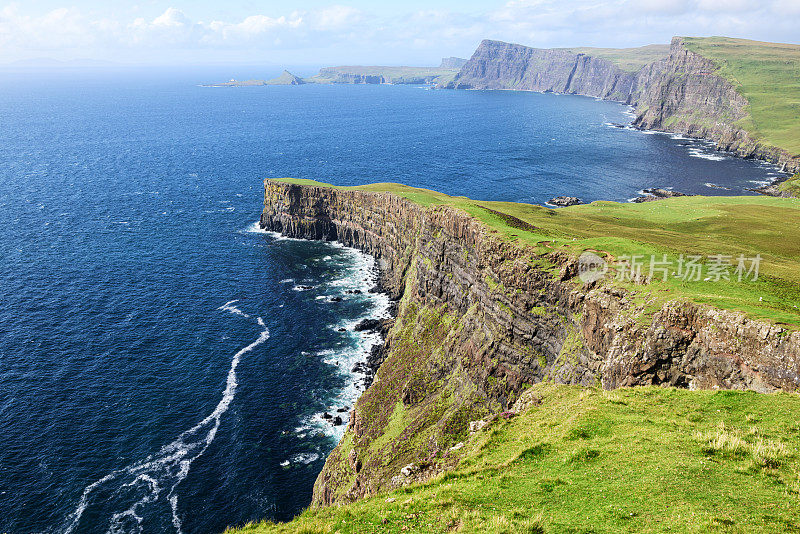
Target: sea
{"x": 165, "y": 365}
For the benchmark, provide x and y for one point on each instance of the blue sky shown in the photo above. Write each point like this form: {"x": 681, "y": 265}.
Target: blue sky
{"x": 319, "y": 32}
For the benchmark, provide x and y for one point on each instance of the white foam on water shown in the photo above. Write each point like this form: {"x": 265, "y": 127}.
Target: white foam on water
{"x": 699, "y": 153}
{"x": 161, "y": 473}
{"x": 229, "y": 306}
{"x": 362, "y": 276}
{"x": 255, "y": 228}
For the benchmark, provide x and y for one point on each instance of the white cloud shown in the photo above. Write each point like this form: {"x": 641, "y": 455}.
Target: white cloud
{"x": 352, "y": 34}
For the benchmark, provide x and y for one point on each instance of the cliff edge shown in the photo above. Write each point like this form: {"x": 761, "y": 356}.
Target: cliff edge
{"x": 489, "y": 304}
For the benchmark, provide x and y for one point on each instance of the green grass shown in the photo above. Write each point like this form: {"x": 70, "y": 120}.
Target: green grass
{"x": 768, "y": 76}
{"x": 628, "y": 59}
{"x": 792, "y": 185}
{"x": 585, "y": 460}
{"x": 683, "y": 225}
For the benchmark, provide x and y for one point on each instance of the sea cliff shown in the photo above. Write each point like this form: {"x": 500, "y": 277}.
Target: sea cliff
{"x": 683, "y": 92}
{"x": 481, "y": 318}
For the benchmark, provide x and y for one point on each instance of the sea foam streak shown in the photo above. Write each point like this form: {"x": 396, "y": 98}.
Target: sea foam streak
{"x": 142, "y": 484}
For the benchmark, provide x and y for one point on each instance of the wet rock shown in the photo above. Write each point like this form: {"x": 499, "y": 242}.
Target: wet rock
{"x": 563, "y": 202}
{"x": 368, "y": 325}
{"x": 658, "y": 193}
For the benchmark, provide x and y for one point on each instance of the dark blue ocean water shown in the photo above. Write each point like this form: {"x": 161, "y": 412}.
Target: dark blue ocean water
{"x": 160, "y": 366}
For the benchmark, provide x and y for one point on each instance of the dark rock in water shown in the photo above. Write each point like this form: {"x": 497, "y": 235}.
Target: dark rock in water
{"x": 338, "y": 421}
{"x": 336, "y": 299}
{"x": 353, "y": 292}
{"x": 563, "y": 202}
{"x": 368, "y": 325}
{"x": 656, "y": 193}
{"x": 342, "y": 329}
{"x": 326, "y": 415}
{"x": 343, "y": 409}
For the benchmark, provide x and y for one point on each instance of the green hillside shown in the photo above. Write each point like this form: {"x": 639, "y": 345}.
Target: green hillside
{"x": 768, "y": 75}
{"x": 586, "y": 460}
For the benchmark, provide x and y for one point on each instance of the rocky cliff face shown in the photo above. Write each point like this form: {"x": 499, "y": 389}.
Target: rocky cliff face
{"x": 681, "y": 93}
{"x": 479, "y": 319}
{"x": 498, "y": 65}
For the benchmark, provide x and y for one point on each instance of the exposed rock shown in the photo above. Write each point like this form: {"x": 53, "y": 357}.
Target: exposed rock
{"x": 409, "y": 471}
{"x": 657, "y": 194}
{"x": 563, "y": 202}
{"x": 477, "y": 426}
{"x": 368, "y": 325}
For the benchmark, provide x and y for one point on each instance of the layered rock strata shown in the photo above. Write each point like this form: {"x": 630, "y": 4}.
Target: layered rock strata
{"x": 480, "y": 318}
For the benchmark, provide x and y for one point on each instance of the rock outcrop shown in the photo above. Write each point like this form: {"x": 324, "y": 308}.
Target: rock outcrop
{"x": 563, "y": 202}
{"x": 657, "y": 193}
{"x": 480, "y": 318}
{"x": 681, "y": 93}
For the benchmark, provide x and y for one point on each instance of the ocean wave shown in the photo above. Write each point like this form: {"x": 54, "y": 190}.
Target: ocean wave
{"x": 698, "y": 153}
{"x": 143, "y": 483}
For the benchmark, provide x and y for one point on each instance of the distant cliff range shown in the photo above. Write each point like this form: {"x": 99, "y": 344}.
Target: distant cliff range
{"x": 440, "y": 75}
{"x": 740, "y": 94}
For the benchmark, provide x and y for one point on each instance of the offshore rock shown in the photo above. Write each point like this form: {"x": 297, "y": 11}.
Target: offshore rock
{"x": 658, "y": 194}
{"x": 563, "y": 202}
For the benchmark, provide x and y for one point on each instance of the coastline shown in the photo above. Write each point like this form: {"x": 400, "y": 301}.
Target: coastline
{"x": 356, "y": 364}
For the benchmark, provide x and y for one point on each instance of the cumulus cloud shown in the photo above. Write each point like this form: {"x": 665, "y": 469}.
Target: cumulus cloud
{"x": 401, "y": 37}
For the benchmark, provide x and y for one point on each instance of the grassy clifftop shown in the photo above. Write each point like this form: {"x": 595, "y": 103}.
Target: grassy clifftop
{"x": 584, "y": 460}
{"x": 768, "y": 76}
{"x": 627, "y": 59}
{"x": 730, "y": 226}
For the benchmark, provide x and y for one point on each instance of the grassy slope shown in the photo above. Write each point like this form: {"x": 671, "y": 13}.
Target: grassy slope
{"x": 628, "y": 59}
{"x": 585, "y": 460}
{"x": 768, "y": 75}
{"x": 690, "y": 225}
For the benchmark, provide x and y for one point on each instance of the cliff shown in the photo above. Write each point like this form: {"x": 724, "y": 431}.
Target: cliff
{"x": 683, "y": 92}
{"x": 452, "y": 63}
{"x": 484, "y": 314}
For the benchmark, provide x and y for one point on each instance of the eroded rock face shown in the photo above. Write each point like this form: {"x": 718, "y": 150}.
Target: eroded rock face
{"x": 681, "y": 93}
{"x": 479, "y": 319}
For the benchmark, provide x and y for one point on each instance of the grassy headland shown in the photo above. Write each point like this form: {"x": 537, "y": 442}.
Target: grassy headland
{"x": 765, "y": 226}
{"x": 585, "y": 460}
{"x": 768, "y": 76}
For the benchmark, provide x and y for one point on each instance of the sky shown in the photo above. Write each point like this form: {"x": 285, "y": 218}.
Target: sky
{"x": 318, "y": 32}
